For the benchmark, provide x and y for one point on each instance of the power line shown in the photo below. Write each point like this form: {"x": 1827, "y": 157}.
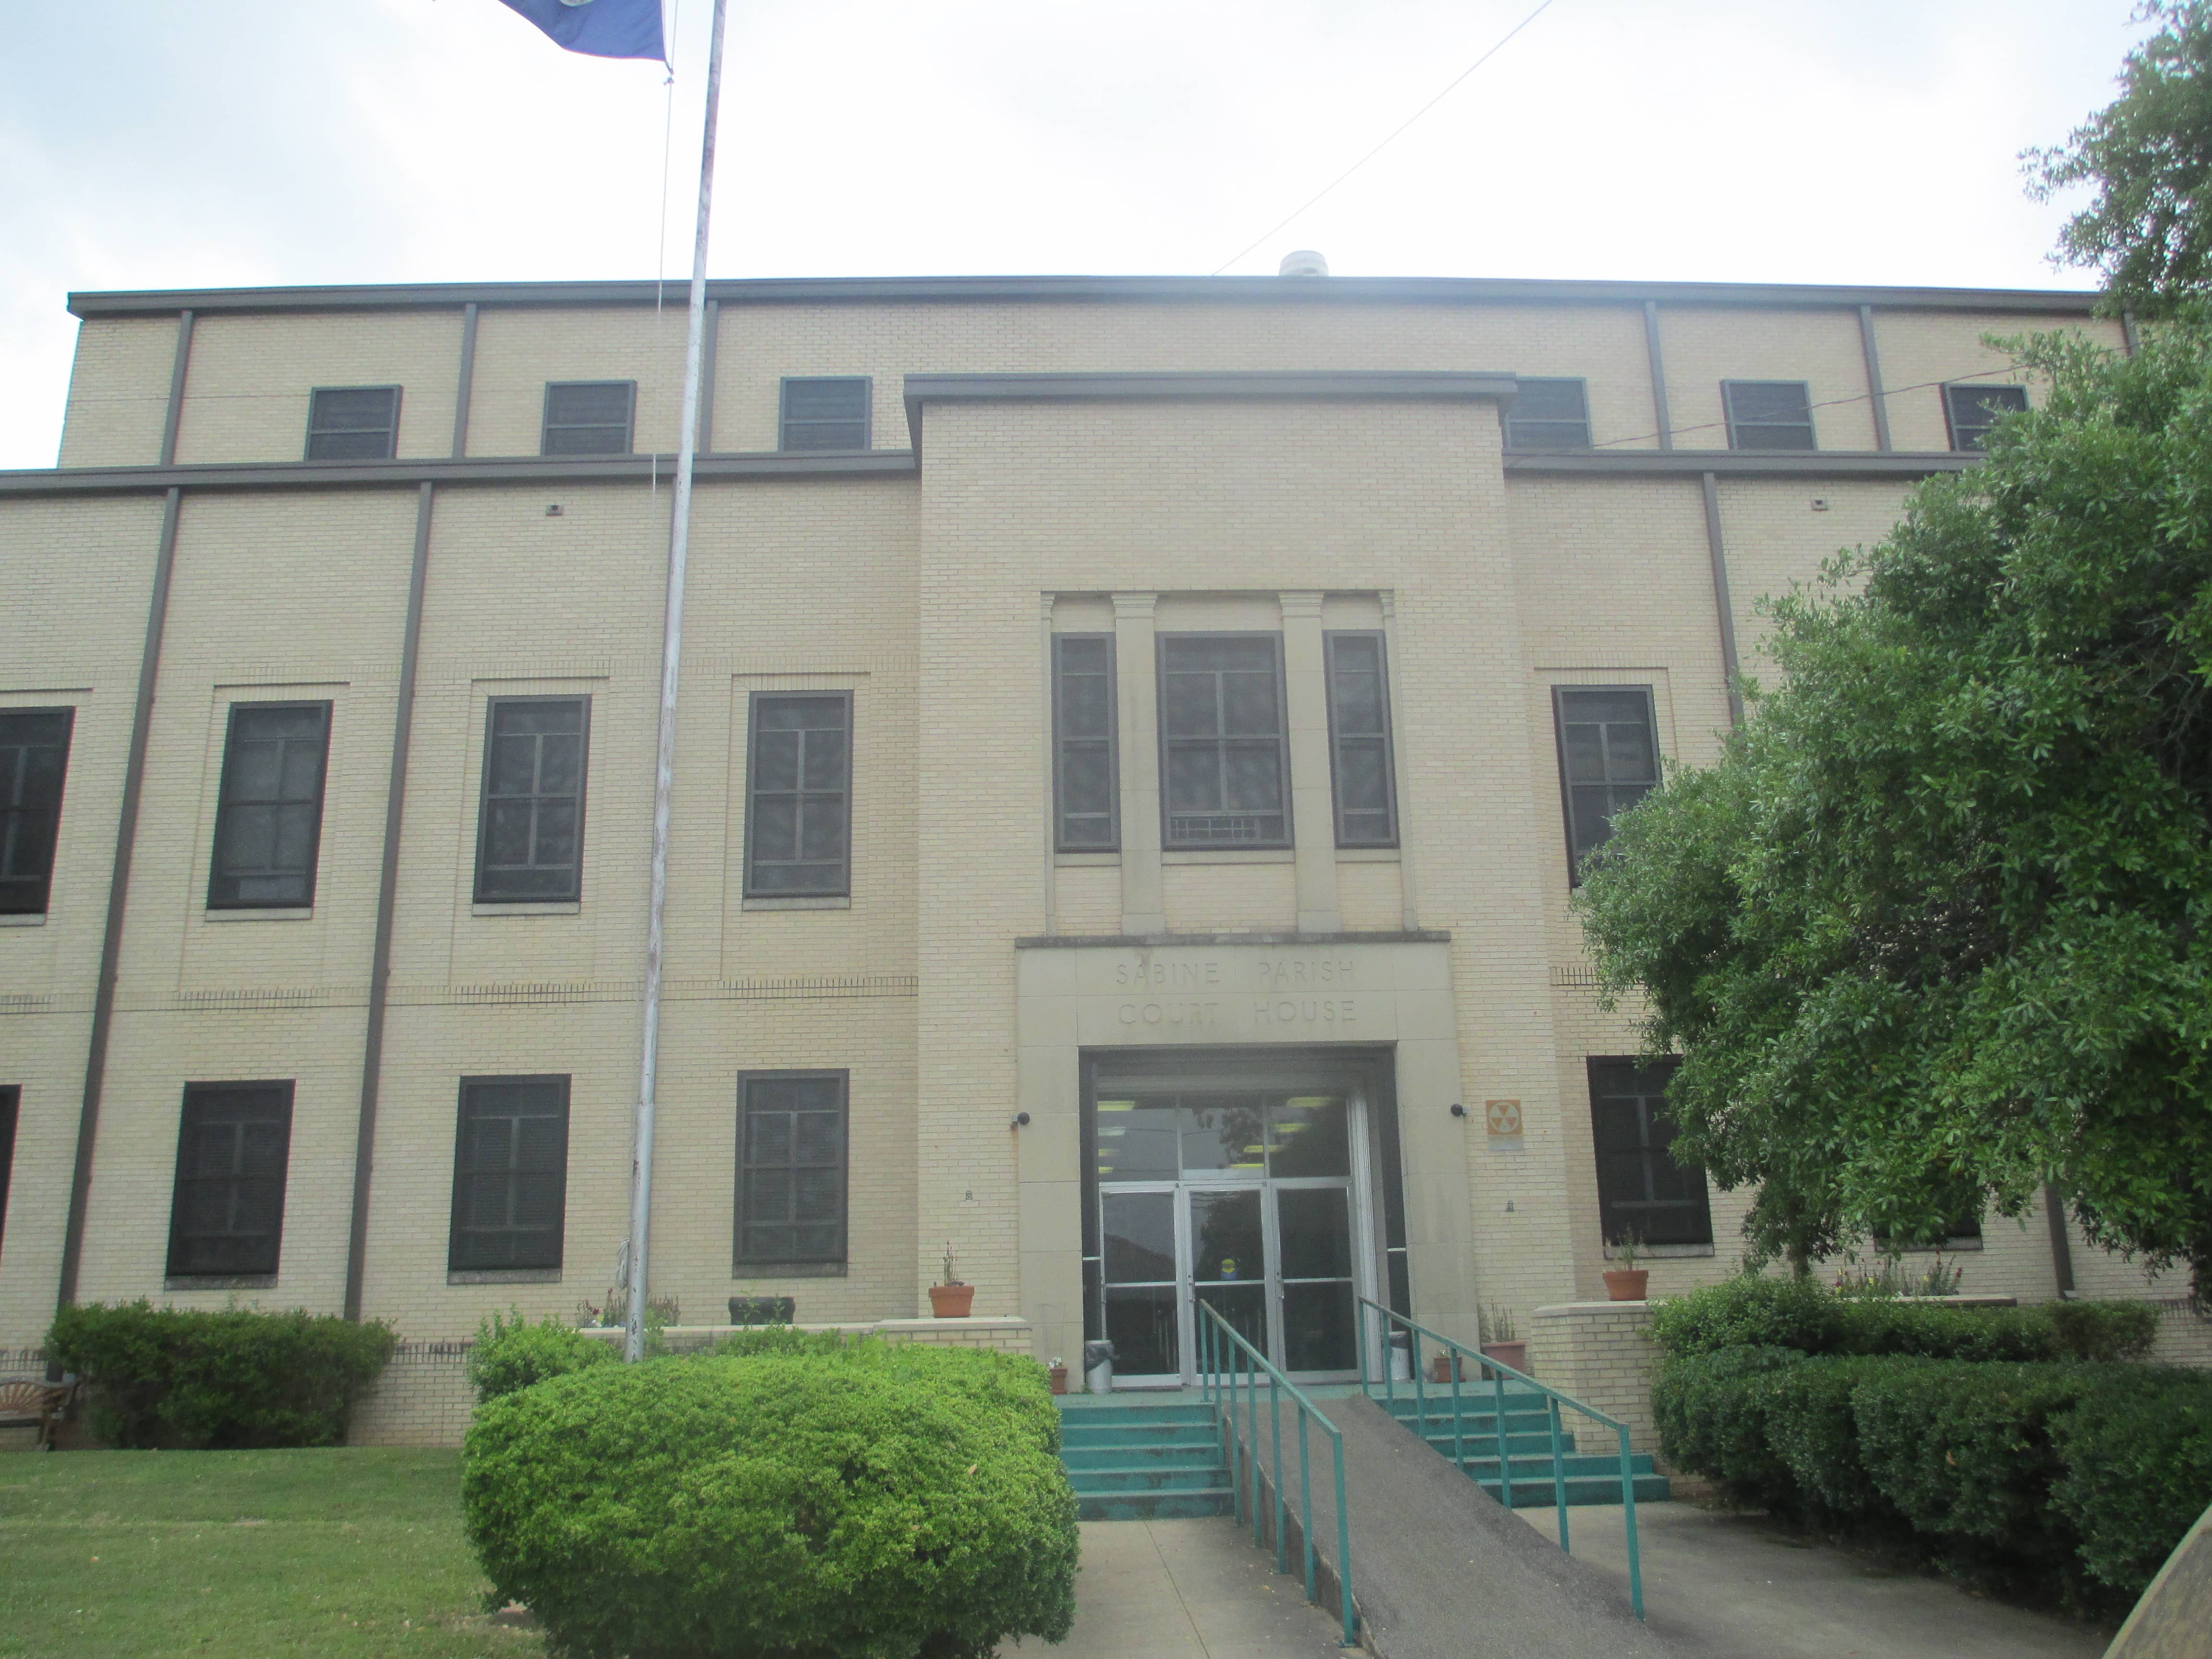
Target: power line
{"x": 1887, "y": 392}
{"x": 1386, "y": 143}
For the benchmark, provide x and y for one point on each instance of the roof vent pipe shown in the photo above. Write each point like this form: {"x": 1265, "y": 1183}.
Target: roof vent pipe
{"x": 1303, "y": 262}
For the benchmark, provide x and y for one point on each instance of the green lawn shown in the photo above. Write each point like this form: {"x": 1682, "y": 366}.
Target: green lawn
{"x": 261, "y": 1555}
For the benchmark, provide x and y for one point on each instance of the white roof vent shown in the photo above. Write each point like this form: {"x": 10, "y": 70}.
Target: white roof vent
{"x": 1303, "y": 262}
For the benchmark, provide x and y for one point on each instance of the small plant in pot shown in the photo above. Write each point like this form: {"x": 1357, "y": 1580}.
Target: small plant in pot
{"x": 951, "y": 1296}
{"x": 1058, "y": 1371}
{"x": 1625, "y": 1281}
{"x": 1499, "y": 1341}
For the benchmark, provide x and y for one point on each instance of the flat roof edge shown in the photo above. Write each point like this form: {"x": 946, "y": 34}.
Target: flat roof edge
{"x": 830, "y": 290}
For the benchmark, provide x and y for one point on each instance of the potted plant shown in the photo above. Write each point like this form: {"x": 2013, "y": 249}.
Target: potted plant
{"x": 951, "y": 1297}
{"x": 1626, "y": 1282}
{"x": 1499, "y": 1341}
{"x": 1058, "y": 1370}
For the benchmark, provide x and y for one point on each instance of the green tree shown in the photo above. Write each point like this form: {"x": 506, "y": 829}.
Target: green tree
{"x": 1939, "y": 922}
{"x": 2148, "y": 231}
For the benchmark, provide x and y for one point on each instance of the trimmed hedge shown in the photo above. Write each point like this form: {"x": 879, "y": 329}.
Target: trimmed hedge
{"x": 182, "y": 1378}
{"x": 512, "y": 1354}
{"x": 875, "y": 1503}
{"x": 1798, "y": 1313}
{"x": 2083, "y": 1477}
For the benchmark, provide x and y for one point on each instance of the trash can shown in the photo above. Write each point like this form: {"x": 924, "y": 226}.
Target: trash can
{"x": 1098, "y": 1367}
{"x": 1401, "y": 1356}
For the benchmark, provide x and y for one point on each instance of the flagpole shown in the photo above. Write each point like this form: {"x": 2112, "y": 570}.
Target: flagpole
{"x": 664, "y": 778}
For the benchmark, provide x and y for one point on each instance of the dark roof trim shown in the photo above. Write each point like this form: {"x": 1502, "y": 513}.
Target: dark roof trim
{"x": 527, "y": 469}
{"x": 1741, "y": 463}
{"x": 1242, "y": 385}
{"x": 1325, "y": 290}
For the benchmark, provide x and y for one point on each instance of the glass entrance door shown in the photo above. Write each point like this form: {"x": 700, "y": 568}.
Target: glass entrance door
{"x": 1246, "y": 1203}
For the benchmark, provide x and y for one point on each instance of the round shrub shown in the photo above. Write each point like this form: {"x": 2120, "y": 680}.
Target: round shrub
{"x": 1812, "y": 1427}
{"x": 512, "y": 1354}
{"x": 2136, "y": 1462}
{"x": 1711, "y": 1412}
{"x": 1749, "y": 1312}
{"x": 873, "y": 1504}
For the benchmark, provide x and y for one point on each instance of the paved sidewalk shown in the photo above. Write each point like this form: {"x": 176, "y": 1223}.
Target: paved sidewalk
{"x": 1186, "y": 1590}
{"x": 1728, "y": 1586}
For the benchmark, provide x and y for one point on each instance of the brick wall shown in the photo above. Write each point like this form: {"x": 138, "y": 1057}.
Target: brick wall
{"x": 1599, "y": 1352}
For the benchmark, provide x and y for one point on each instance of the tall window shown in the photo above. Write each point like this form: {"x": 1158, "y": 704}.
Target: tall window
{"x": 1641, "y": 1191}
{"x": 1548, "y": 414}
{"x": 227, "y": 1216}
{"x": 791, "y": 1169}
{"x": 35, "y": 745}
{"x": 1609, "y": 760}
{"x": 589, "y": 417}
{"x": 530, "y": 830}
{"x": 10, "y": 1100}
{"x": 1224, "y": 751}
{"x": 1971, "y": 410}
{"x": 353, "y": 422}
{"x": 269, "y": 821}
{"x": 824, "y": 412}
{"x": 510, "y": 1174}
{"x": 799, "y": 795}
{"x": 1768, "y": 414}
{"x": 1360, "y": 740}
{"x": 1083, "y": 728}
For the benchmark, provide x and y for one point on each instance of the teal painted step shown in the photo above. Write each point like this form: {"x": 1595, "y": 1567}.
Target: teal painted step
{"x": 1592, "y": 1476}
{"x": 1144, "y": 1460}
{"x": 1537, "y": 1494}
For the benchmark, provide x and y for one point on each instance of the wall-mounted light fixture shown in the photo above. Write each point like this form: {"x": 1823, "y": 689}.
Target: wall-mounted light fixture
{"x": 1458, "y": 1110}
{"x": 1021, "y": 1121}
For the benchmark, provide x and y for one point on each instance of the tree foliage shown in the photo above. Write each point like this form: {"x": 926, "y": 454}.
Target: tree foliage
{"x": 2149, "y": 230}
{"x": 1939, "y": 922}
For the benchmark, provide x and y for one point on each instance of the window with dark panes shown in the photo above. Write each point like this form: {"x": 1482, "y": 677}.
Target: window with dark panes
{"x": 791, "y": 1168}
{"x": 353, "y": 423}
{"x": 1548, "y": 414}
{"x": 1359, "y": 740}
{"x": 10, "y": 1100}
{"x": 34, "y": 745}
{"x": 589, "y": 417}
{"x": 510, "y": 1174}
{"x": 1642, "y": 1192}
{"x": 1973, "y": 409}
{"x": 530, "y": 833}
{"x": 1609, "y": 760}
{"x": 1768, "y": 414}
{"x": 1082, "y": 733}
{"x": 227, "y": 1217}
{"x": 1224, "y": 751}
{"x": 825, "y": 412}
{"x": 268, "y": 823}
{"x": 799, "y": 795}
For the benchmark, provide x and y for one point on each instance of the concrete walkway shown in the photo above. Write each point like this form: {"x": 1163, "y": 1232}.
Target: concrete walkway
{"x": 1185, "y": 1590}
{"x": 1726, "y": 1586}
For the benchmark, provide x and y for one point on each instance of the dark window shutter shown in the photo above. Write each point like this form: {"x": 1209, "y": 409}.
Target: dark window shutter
{"x": 1548, "y": 414}
{"x": 791, "y": 1168}
{"x": 34, "y": 745}
{"x": 353, "y": 423}
{"x": 1225, "y": 748}
{"x": 1971, "y": 410}
{"x": 1609, "y": 760}
{"x": 510, "y": 1174}
{"x": 589, "y": 417}
{"x": 269, "y": 824}
{"x": 1642, "y": 1191}
{"x": 1085, "y": 787}
{"x": 1768, "y": 414}
{"x": 530, "y": 828}
{"x": 1359, "y": 740}
{"x": 799, "y": 795}
{"x": 226, "y": 1212}
{"x": 825, "y": 412}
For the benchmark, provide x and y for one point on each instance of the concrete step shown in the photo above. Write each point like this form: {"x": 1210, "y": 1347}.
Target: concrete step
{"x": 1172, "y": 1409}
{"x": 1538, "y": 1494}
{"x": 1139, "y": 1434}
{"x": 1486, "y": 1444}
{"x": 1146, "y": 1477}
{"x": 1155, "y": 1505}
{"x": 1205, "y": 1455}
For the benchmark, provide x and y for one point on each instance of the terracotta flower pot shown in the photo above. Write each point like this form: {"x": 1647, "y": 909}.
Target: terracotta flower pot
{"x": 951, "y": 1300}
{"x": 1440, "y": 1367}
{"x": 1626, "y": 1284}
{"x": 1515, "y": 1354}
{"x": 1059, "y": 1378}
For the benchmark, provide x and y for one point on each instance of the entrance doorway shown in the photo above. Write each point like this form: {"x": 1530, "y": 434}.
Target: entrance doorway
{"x": 1252, "y": 1202}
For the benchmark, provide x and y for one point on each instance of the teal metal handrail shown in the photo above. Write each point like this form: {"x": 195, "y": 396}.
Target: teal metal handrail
{"x": 1498, "y": 1373}
{"x": 1225, "y": 1362}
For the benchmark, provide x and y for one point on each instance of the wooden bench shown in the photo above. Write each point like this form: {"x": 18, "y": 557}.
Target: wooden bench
{"x": 34, "y": 1400}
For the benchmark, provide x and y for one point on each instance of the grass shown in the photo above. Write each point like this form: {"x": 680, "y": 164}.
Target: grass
{"x": 339, "y": 1554}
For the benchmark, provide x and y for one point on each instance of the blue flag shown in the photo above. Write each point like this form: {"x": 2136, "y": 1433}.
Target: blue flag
{"x": 604, "y": 28}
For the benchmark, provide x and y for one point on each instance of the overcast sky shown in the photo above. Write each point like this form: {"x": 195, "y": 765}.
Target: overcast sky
{"x": 148, "y": 144}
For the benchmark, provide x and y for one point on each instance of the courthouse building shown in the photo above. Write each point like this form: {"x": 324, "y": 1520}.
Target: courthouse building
{"x": 1137, "y": 739}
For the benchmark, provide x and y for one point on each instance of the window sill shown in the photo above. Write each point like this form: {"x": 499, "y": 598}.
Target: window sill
{"x": 528, "y": 908}
{"x": 504, "y": 1276}
{"x": 1948, "y": 1247}
{"x": 1077, "y": 861}
{"x": 812, "y": 902}
{"x": 274, "y": 913}
{"x": 24, "y": 919}
{"x": 1367, "y": 855}
{"x": 1232, "y": 855}
{"x": 176, "y": 1282}
{"x": 1665, "y": 1252}
{"x": 768, "y": 1272}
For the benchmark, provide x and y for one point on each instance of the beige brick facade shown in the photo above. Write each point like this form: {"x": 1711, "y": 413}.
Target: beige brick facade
{"x": 956, "y": 984}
